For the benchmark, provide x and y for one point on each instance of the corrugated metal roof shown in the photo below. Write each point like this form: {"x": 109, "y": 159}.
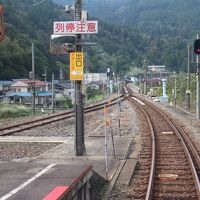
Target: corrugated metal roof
{"x": 27, "y": 83}
{"x": 44, "y": 93}
{"x": 28, "y": 94}
{"x": 20, "y": 84}
{"x": 37, "y": 82}
{"x": 19, "y": 94}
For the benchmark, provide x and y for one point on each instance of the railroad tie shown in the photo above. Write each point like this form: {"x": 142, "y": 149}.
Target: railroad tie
{"x": 167, "y": 177}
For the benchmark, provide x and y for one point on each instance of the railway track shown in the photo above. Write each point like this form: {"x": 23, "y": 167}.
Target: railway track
{"x": 9, "y": 130}
{"x": 169, "y": 163}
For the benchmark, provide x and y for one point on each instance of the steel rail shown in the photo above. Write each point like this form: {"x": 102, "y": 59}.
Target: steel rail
{"x": 50, "y": 119}
{"x": 153, "y": 158}
{"x": 53, "y": 116}
{"x": 176, "y": 128}
{"x": 185, "y": 141}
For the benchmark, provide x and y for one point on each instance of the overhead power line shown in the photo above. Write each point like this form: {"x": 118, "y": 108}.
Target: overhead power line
{"x": 28, "y": 6}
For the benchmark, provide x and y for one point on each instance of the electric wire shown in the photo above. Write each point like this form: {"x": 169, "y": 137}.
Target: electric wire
{"x": 28, "y": 6}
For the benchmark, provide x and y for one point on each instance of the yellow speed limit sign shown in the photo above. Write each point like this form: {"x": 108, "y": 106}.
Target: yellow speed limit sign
{"x": 76, "y": 66}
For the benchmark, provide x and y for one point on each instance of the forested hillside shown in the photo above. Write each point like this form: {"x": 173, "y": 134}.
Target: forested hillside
{"x": 167, "y": 25}
{"x": 24, "y": 25}
{"x": 171, "y": 25}
{"x": 135, "y": 30}
{"x": 116, "y": 47}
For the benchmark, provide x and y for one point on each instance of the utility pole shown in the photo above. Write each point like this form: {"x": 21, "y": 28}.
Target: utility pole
{"x": 198, "y": 86}
{"x": 53, "y": 96}
{"x": 61, "y": 75}
{"x": 45, "y": 74}
{"x": 145, "y": 78}
{"x": 188, "y": 79}
{"x": 33, "y": 79}
{"x": 175, "y": 88}
{"x": 45, "y": 79}
{"x": 108, "y": 82}
{"x": 79, "y": 109}
{"x": 119, "y": 104}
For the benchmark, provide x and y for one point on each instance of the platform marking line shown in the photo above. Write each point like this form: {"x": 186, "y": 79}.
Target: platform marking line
{"x": 11, "y": 193}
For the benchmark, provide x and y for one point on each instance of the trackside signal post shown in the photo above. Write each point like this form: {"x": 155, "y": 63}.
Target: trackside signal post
{"x": 77, "y": 27}
{"x": 197, "y": 52}
{"x": 188, "y": 79}
{"x": 79, "y": 143}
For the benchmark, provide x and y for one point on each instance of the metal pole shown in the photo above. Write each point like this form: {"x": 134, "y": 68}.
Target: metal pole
{"x": 33, "y": 78}
{"x": 188, "y": 79}
{"x": 145, "y": 78}
{"x": 175, "y": 90}
{"x": 79, "y": 109}
{"x": 119, "y": 105}
{"x": 108, "y": 82}
{"x": 106, "y": 152}
{"x": 198, "y": 87}
{"x": 113, "y": 143}
{"x": 45, "y": 76}
{"x": 52, "y": 89}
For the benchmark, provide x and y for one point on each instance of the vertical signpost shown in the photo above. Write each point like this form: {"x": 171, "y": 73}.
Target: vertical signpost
{"x": 197, "y": 52}
{"x": 79, "y": 109}
{"x": 33, "y": 78}
{"x": 188, "y": 79}
{"x": 145, "y": 77}
{"x": 77, "y": 27}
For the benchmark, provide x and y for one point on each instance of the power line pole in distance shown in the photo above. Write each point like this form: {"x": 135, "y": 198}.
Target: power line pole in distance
{"x": 197, "y": 52}
{"x": 188, "y": 79}
{"x": 33, "y": 79}
{"x": 145, "y": 77}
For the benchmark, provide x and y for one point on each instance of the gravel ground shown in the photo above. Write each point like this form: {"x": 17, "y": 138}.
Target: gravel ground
{"x": 9, "y": 151}
{"x": 13, "y": 121}
{"x": 187, "y": 121}
{"x": 94, "y": 125}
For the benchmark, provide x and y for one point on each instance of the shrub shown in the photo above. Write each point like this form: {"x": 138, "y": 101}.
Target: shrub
{"x": 7, "y": 111}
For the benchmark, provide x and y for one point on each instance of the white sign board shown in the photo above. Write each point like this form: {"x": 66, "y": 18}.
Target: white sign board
{"x": 75, "y": 27}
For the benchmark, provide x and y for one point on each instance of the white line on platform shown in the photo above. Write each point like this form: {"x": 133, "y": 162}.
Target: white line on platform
{"x": 11, "y": 193}
{"x": 140, "y": 102}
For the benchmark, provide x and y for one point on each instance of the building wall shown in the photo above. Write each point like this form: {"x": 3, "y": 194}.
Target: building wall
{"x": 20, "y": 89}
{"x": 94, "y": 77}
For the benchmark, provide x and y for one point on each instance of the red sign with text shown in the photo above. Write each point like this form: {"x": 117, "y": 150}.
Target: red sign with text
{"x": 75, "y": 27}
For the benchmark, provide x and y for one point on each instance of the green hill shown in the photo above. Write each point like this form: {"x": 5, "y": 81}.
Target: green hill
{"x": 135, "y": 30}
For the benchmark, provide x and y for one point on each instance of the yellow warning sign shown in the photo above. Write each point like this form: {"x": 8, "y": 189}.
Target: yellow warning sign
{"x": 76, "y": 66}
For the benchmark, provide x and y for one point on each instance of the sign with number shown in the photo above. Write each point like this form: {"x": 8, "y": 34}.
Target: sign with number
{"x": 75, "y": 27}
{"x": 76, "y": 66}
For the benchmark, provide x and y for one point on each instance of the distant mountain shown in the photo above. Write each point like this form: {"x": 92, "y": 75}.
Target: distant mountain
{"x": 116, "y": 47}
{"x": 99, "y": 8}
{"x": 129, "y": 32}
{"x": 156, "y": 17}
{"x": 168, "y": 24}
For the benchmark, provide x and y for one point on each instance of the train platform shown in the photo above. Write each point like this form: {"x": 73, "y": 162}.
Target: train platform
{"x": 58, "y": 169}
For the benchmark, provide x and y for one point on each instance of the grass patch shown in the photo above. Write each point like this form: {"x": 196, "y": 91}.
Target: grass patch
{"x": 95, "y": 98}
{"x": 7, "y": 111}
